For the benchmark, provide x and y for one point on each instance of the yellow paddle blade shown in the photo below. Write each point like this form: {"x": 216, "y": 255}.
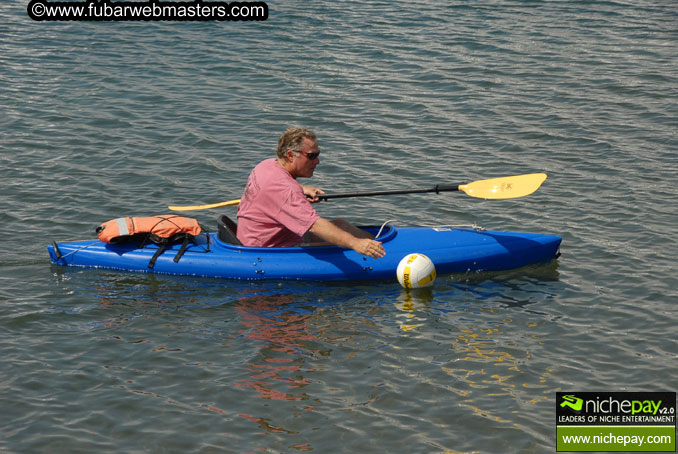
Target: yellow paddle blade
{"x": 205, "y": 207}
{"x": 504, "y": 187}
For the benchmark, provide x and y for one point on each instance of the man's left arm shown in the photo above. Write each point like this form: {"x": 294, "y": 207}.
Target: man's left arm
{"x": 311, "y": 193}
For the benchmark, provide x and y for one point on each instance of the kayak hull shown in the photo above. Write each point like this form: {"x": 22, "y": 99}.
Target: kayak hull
{"x": 452, "y": 250}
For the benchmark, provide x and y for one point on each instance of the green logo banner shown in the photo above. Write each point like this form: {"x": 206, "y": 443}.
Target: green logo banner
{"x": 616, "y": 421}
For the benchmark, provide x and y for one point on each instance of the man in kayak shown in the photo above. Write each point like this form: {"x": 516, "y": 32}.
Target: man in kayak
{"x": 275, "y": 210}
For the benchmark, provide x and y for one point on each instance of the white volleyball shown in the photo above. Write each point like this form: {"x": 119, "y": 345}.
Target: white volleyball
{"x": 415, "y": 271}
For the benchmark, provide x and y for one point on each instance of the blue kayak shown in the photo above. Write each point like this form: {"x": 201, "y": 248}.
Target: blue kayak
{"x": 218, "y": 255}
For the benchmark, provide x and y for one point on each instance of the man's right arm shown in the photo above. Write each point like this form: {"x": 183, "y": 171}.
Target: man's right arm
{"x": 333, "y": 234}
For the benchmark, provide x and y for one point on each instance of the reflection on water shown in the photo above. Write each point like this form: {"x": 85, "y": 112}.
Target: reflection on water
{"x": 294, "y": 355}
{"x": 278, "y": 358}
{"x": 490, "y": 351}
{"x": 413, "y": 305}
{"x": 276, "y": 371}
{"x": 492, "y": 358}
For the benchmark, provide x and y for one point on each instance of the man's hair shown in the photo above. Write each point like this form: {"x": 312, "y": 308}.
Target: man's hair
{"x": 291, "y": 140}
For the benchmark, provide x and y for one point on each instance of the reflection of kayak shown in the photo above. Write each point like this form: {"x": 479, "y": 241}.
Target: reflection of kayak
{"x": 451, "y": 250}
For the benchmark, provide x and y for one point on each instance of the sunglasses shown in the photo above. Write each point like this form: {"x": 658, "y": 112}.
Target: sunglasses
{"x": 310, "y": 156}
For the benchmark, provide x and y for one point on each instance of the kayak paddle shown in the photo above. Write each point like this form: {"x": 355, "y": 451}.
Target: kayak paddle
{"x": 494, "y": 188}
{"x": 205, "y": 207}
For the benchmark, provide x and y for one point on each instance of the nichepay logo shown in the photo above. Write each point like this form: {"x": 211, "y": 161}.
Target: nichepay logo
{"x": 616, "y": 421}
{"x": 573, "y": 402}
{"x": 610, "y": 403}
{"x": 634, "y": 407}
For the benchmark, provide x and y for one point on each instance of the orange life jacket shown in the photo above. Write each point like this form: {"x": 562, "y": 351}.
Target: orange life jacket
{"x": 162, "y": 230}
{"x": 164, "y": 227}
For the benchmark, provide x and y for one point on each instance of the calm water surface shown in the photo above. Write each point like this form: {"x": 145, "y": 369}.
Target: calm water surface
{"x": 101, "y": 120}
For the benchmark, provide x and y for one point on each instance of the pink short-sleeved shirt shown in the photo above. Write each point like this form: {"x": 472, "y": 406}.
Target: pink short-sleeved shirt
{"x": 273, "y": 210}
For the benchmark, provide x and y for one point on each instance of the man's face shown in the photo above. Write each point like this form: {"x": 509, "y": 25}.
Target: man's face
{"x": 306, "y": 159}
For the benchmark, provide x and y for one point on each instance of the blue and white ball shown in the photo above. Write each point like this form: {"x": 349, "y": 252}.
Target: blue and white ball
{"x": 416, "y": 271}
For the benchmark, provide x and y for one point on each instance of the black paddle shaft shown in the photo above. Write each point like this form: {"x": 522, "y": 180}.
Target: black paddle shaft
{"x": 437, "y": 189}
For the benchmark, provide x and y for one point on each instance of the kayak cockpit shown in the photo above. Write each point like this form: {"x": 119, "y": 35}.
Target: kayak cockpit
{"x": 226, "y": 235}
{"x": 226, "y": 231}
